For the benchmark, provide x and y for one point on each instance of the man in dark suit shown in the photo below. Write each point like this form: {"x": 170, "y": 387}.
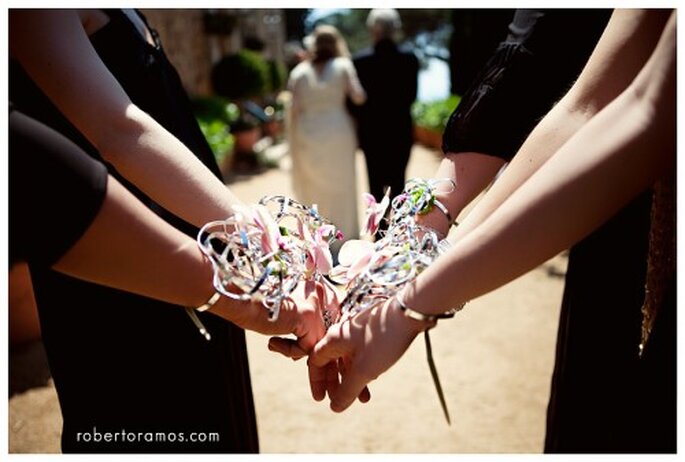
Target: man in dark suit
{"x": 389, "y": 75}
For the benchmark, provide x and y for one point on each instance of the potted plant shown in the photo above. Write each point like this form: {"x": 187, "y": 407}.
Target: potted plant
{"x": 273, "y": 108}
{"x": 240, "y": 77}
{"x": 215, "y": 115}
{"x": 430, "y": 119}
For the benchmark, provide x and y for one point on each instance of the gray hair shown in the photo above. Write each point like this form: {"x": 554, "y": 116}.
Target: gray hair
{"x": 386, "y": 21}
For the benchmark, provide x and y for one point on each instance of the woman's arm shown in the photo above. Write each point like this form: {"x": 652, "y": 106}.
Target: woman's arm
{"x": 471, "y": 172}
{"x": 149, "y": 257}
{"x": 614, "y": 157}
{"x": 72, "y": 216}
{"x": 55, "y": 51}
{"x": 353, "y": 86}
{"x": 627, "y": 42}
{"x": 625, "y": 45}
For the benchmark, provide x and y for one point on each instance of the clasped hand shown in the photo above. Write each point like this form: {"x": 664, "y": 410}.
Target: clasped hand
{"x": 353, "y": 352}
{"x": 344, "y": 358}
{"x": 301, "y": 315}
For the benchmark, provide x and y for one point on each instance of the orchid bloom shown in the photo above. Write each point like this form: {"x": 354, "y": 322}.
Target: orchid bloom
{"x": 324, "y": 259}
{"x": 353, "y": 258}
{"x": 357, "y": 256}
{"x": 374, "y": 212}
{"x": 271, "y": 235}
{"x": 318, "y": 254}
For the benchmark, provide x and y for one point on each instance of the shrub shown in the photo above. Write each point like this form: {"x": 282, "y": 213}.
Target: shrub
{"x": 434, "y": 114}
{"x": 215, "y": 107}
{"x": 215, "y": 115}
{"x": 217, "y": 135}
{"x": 277, "y": 76}
{"x": 241, "y": 76}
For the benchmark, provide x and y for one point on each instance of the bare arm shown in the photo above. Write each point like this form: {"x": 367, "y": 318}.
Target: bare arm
{"x": 149, "y": 257}
{"x": 353, "y": 86}
{"x": 54, "y": 49}
{"x": 139, "y": 256}
{"x": 627, "y": 42}
{"x": 472, "y": 172}
{"x": 614, "y": 157}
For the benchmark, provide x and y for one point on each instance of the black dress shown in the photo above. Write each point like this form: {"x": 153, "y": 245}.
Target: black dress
{"x": 542, "y": 55}
{"x": 127, "y": 365}
{"x": 604, "y": 398}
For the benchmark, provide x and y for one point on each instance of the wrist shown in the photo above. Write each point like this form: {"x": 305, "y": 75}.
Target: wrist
{"x": 438, "y": 217}
{"x": 425, "y": 315}
{"x": 434, "y": 221}
{"x": 208, "y": 305}
{"x": 231, "y": 309}
{"x": 211, "y": 301}
{"x": 405, "y": 323}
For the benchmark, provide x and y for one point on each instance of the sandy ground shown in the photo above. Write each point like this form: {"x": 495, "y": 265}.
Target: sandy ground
{"x": 494, "y": 359}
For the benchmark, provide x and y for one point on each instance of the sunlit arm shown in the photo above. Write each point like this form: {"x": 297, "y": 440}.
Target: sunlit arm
{"x": 624, "y": 47}
{"x": 613, "y": 158}
{"x": 53, "y": 48}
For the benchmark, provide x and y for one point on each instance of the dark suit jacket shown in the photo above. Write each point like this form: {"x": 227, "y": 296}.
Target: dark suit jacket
{"x": 389, "y": 75}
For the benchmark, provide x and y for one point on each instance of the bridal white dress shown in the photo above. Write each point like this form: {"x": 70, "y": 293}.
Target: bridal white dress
{"x": 323, "y": 141}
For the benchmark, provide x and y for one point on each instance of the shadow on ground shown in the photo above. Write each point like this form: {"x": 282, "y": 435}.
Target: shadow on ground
{"x": 28, "y": 367}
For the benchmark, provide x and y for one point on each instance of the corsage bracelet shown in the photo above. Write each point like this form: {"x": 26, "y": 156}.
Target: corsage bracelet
{"x": 266, "y": 249}
{"x": 204, "y": 307}
{"x": 440, "y": 206}
{"x": 419, "y": 316}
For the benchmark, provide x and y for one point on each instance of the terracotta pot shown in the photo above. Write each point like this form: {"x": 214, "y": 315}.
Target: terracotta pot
{"x": 428, "y": 137}
{"x": 244, "y": 140}
{"x": 272, "y": 128}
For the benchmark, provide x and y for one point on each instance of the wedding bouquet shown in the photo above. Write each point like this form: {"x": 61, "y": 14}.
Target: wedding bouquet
{"x": 262, "y": 252}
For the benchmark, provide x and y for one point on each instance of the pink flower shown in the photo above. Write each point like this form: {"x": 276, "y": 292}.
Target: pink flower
{"x": 374, "y": 212}
{"x": 271, "y": 235}
{"x": 354, "y": 257}
{"x": 285, "y": 243}
{"x": 357, "y": 256}
{"x": 318, "y": 255}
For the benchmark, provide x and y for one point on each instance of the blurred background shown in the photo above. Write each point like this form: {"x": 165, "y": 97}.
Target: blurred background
{"x": 235, "y": 63}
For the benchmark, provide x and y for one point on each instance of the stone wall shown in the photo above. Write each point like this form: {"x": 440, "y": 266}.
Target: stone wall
{"x": 186, "y": 45}
{"x": 193, "y": 52}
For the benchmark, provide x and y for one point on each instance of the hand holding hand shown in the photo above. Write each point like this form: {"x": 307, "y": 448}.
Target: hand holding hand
{"x": 301, "y": 315}
{"x": 357, "y": 350}
{"x": 312, "y": 300}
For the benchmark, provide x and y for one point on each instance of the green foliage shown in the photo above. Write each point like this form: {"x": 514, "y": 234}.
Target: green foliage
{"x": 278, "y": 75}
{"x": 215, "y": 115}
{"x": 215, "y": 107}
{"x": 241, "y": 76}
{"x": 218, "y": 137}
{"x": 352, "y": 25}
{"x": 434, "y": 114}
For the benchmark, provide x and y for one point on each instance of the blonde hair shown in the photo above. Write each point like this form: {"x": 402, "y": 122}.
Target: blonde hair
{"x": 328, "y": 44}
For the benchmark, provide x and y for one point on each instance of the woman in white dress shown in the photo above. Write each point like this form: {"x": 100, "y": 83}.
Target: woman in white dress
{"x": 323, "y": 142}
